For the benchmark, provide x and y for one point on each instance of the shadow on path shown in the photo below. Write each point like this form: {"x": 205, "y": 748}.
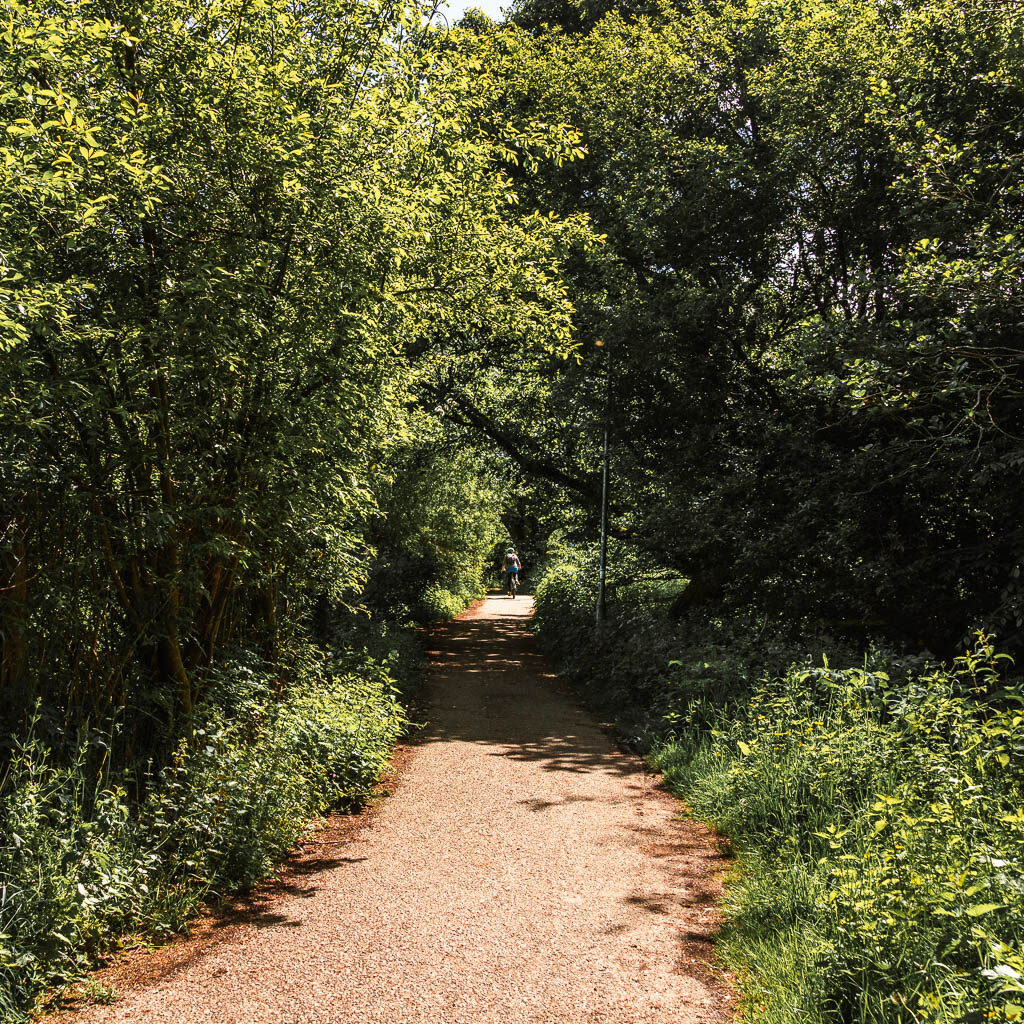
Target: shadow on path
{"x": 538, "y": 875}
{"x": 509, "y": 704}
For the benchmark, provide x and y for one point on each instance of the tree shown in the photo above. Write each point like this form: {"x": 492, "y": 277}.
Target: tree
{"x": 228, "y": 228}
{"x": 816, "y": 413}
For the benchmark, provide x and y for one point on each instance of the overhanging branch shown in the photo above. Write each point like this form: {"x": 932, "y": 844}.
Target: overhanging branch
{"x": 462, "y": 412}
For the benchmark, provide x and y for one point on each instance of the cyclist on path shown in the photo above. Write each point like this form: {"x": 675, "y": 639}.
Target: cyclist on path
{"x": 512, "y": 566}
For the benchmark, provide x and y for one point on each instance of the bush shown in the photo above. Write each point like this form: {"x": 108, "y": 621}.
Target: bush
{"x": 439, "y": 604}
{"x": 81, "y": 864}
{"x": 645, "y": 669}
{"x": 878, "y": 810}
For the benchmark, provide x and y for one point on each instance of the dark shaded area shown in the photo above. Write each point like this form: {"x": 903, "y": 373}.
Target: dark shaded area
{"x": 807, "y": 352}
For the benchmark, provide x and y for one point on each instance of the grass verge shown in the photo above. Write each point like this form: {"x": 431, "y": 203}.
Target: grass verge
{"x": 878, "y": 807}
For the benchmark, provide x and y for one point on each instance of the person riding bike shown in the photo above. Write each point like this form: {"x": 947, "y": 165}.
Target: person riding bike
{"x": 512, "y": 566}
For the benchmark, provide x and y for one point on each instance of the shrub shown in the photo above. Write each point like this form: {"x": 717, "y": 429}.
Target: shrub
{"x": 878, "y": 809}
{"x": 81, "y": 864}
{"x": 439, "y": 604}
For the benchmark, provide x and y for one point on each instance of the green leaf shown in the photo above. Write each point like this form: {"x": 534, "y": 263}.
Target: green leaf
{"x": 981, "y": 909}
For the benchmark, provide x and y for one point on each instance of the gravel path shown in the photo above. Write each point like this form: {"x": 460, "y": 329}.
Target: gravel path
{"x": 523, "y": 871}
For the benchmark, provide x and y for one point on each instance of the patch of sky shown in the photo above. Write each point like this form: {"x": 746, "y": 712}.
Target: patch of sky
{"x": 492, "y": 8}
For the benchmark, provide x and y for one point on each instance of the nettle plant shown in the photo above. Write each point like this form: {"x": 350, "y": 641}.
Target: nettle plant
{"x": 904, "y": 800}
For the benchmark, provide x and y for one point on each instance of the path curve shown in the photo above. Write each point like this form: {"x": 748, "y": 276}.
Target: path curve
{"x": 524, "y": 871}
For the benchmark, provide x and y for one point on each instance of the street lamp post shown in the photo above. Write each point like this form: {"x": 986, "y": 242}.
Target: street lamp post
{"x": 601, "y": 612}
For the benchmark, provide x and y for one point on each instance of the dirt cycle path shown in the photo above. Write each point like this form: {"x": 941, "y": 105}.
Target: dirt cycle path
{"x": 523, "y": 871}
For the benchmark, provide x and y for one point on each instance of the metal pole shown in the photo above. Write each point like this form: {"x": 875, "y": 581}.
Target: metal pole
{"x": 602, "y": 611}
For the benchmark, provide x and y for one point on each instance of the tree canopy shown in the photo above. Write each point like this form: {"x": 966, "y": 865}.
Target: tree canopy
{"x": 232, "y": 235}
{"x": 809, "y": 295}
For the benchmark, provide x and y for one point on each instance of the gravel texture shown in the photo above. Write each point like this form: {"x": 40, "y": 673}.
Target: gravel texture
{"x": 523, "y": 871}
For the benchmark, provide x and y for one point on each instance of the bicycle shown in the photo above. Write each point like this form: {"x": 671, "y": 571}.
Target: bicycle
{"x": 511, "y": 584}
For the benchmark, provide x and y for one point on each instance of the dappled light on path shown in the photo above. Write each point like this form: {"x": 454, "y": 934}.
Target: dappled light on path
{"x": 524, "y": 871}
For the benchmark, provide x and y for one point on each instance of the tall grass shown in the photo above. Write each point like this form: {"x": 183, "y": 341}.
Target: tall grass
{"x": 878, "y": 809}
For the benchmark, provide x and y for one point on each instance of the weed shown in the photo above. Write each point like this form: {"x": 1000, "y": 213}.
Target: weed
{"x": 97, "y": 992}
{"x": 879, "y": 809}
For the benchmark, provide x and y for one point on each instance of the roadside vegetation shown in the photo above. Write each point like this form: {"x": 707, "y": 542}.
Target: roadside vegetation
{"x": 876, "y": 802}
{"x": 307, "y": 308}
{"x": 85, "y": 862}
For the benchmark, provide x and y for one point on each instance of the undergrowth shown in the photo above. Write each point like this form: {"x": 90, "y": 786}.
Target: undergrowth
{"x": 83, "y": 863}
{"x": 877, "y": 805}
{"x": 439, "y": 604}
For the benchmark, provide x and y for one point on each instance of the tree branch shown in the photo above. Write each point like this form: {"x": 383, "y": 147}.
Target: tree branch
{"x": 465, "y": 414}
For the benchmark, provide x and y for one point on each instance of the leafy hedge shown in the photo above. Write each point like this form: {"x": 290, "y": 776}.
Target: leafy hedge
{"x": 878, "y": 810}
{"x": 82, "y": 863}
{"x": 439, "y": 603}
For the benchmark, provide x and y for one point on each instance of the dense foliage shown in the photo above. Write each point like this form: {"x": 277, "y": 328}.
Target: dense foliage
{"x": 220, "y": 227}
{"x": 443, "y": 518}
{"x": 233, "y": 234}
{"x": 82, "y": 863}
{"x": 305, "y": 307}
{"x": 809, "y": 296}
{"x": 877, "y": 809}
